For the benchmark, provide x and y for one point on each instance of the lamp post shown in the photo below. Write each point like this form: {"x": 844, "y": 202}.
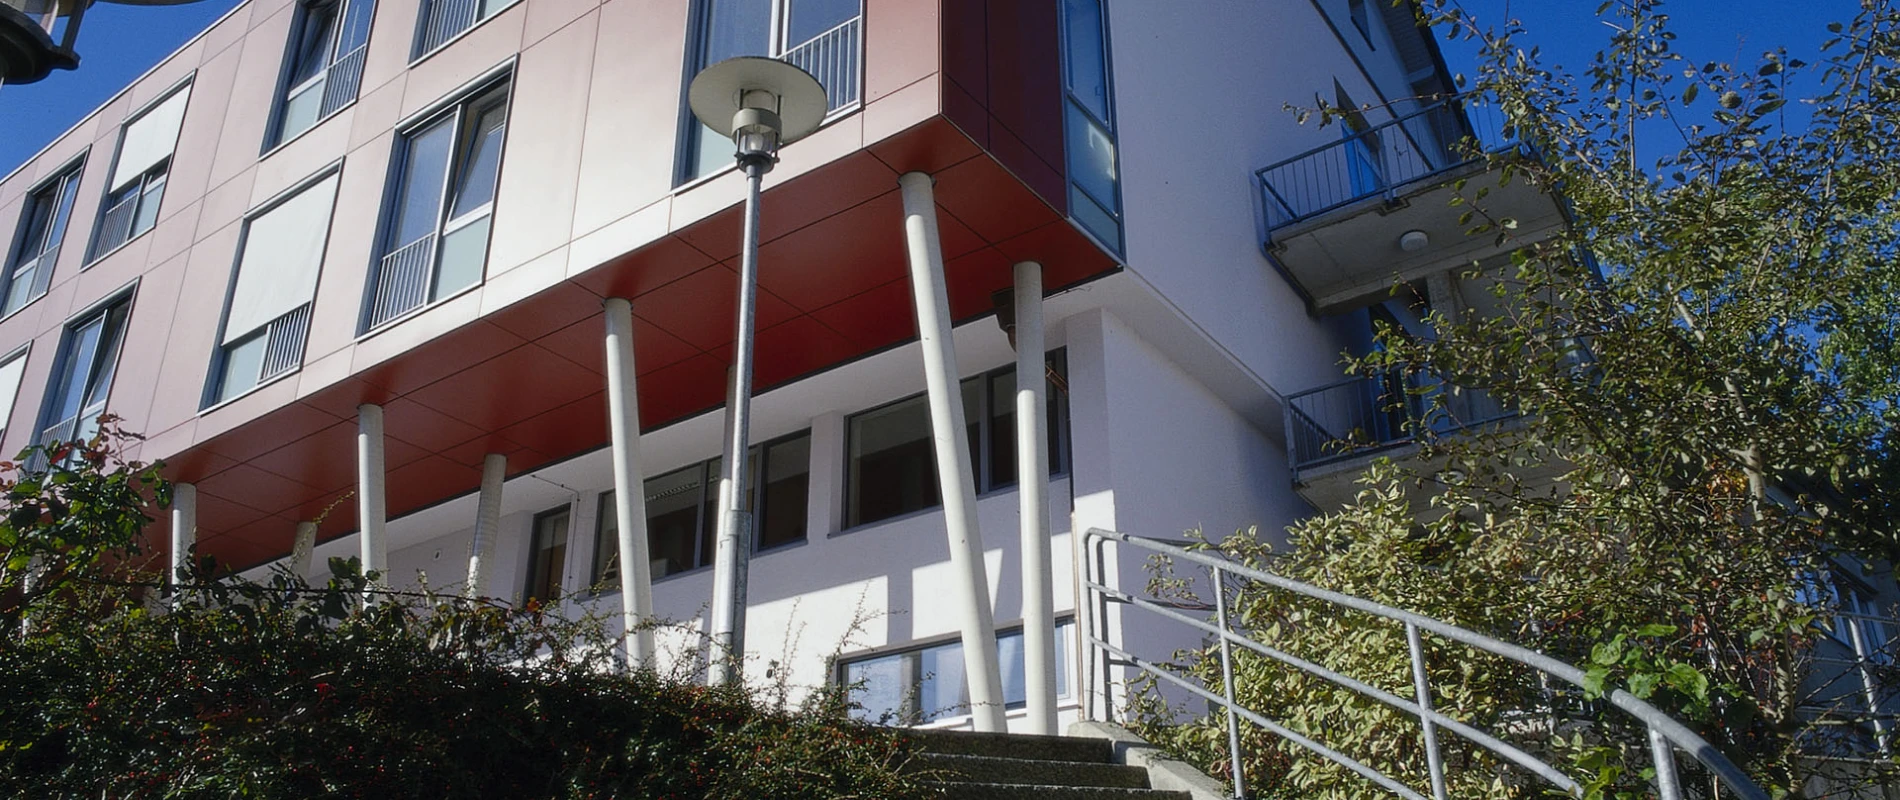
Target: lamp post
{"x": 761, "y": 104}
{"x": 28, "y": 51}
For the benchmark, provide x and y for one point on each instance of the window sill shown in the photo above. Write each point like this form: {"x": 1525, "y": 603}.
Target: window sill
{"x": 248, "y": 392}
{"x": 273, "y": 149}
{"x": 23, "y": 306}
{"x": 696, "y": 570}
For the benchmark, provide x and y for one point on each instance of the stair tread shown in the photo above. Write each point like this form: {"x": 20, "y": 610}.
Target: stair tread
{"x": 1006, "y": 770}
{"x": 1016, "y": 745}
{"x": 1011, "y": 791}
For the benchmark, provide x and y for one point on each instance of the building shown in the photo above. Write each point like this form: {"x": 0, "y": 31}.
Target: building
{"x": 330, "y": 239}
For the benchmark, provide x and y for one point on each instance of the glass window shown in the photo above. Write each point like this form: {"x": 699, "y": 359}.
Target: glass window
{"x": 42, "y": 230}
{"x": 1089, "y": 122}
{"x": 267, "y": 313}
{"x": 682, "y": 511}
{"x": 138, "y": 173}
{"x": 436, "y": 242}
{"x": 892, "y": 468}
{"x": 547, "y": 556}
{"x": 323, "y": 65}
{"x": 821, "y": 36}
{"x": 82, "y": 375}
{"x": 926, "y": 684}
{"x": 443, "y": 20}
{"x": 11, "y": 371}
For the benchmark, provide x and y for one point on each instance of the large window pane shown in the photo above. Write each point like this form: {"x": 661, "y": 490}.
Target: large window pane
{"x": 464, "y": 252}
{"x": 1091, "y": 158}
{"x": 673, "y": 510}
{"x": 310, "y": 53}
{"x": 785, "y": 485}
{"x": 940, "y": 686}
{"x": 548, "y": 556}
{"x": 1088, "y": 73}
{"x": 879, "y": 687}
{"x": 481, "y": 161}
{"x": 805, "y": 19}
{"x": 892, "y": 471}
{"x": 243, "y": 362}
{"x": 419, "y": 198}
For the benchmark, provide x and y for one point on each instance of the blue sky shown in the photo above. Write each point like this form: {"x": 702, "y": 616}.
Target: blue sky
{"x": 120, "y": 42}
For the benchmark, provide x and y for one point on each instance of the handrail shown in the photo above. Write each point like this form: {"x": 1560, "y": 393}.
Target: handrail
{"x": 1666, "y": 735}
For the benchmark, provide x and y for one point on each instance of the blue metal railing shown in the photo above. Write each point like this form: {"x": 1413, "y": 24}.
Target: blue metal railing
{"x": 1364, "y": 414}
{"x": 1381, "y": 160}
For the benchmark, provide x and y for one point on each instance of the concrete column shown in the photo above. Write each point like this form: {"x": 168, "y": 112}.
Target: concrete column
{"x": 972, "y": 596}
{"x": 301, "y": 549}
{"x": 1032, "y": 475}
{"x": 630, "y": 504}
{"x": 184, "y": 529}
{"x": 487, "y": 524}
{"x": 372, "y": 513}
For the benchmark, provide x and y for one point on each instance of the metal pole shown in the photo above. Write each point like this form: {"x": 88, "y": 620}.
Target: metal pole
{"x": 371, "y": 512}
{"x": 1227, "y": 683}
{"x": 978, "y": 626}
{"x": 184, "y": 533}
{"x": 732, "y": 558}
{"x": 1668, "y": 783}
{"x": 630, "y": 503}
{"x": 302, "y": 548}
{"x": 1433, "y": 762}
{"x": 1032, "y": 479}
{"x": 487, "y": 524}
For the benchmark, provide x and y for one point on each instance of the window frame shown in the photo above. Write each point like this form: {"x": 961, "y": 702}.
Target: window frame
{"x": 63, "y": 188}
{"x": 982, "y": 457}
{"x": 1115, "y": 209}
{"x": 497, "y": 84}
{"x": 158, "y": 174}
{"x": 102, "y": 310}
{"x": 21, "y": 354}
{"x": 698, "y": 30}
{"x": 275, "y": 137}
{"x": 1064, "y": 637}
{"x": 706, "y": 526}
{"x": 220, "y": 353}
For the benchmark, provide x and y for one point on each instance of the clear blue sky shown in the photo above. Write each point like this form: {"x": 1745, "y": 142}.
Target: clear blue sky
{"x": 120, "y": 42}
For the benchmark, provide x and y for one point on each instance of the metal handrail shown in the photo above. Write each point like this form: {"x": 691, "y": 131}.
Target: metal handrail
{"x": 1665, "y": 734}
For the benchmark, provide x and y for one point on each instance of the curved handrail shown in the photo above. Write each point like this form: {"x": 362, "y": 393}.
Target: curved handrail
{"x": 1666, "y": 734}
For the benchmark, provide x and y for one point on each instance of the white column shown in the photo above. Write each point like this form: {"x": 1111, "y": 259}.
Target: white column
{"x": 487, "y": 524}
{"x": 184, "y": 529}
{"x": 372, "y": 514}
{"x": 972, "y": 596}
{"x": 630, "y": 504}
{"x": 1032, "y": 475}
{"x": 301, "y": 549}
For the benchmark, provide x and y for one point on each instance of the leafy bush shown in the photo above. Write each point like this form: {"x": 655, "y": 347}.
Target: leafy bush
{"x": 279, "y": 689}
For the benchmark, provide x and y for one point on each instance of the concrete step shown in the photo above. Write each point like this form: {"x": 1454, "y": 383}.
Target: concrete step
{"x": 990, "y": 769}
{"x": 1016, "y": 745}
{"x": 1029, "y": 791}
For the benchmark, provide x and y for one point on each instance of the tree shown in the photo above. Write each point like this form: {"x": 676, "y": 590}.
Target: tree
{"x": 1718, "y": 399}
{"x": 235, "y": 688}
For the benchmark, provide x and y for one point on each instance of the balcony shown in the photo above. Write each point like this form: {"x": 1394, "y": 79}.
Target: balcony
{"x": 1335, "y": 431}
{"x": 1348, "y": 220}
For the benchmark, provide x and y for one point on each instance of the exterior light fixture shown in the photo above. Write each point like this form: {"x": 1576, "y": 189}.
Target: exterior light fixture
{"x": 762, "y": 104}
{"x": 1413, "y": 241}
{"x": 28, "y": 51}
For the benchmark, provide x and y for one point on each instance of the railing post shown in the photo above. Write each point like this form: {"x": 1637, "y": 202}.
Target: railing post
{"x": 1227, "y": 683}
{"x": 1433, "y": 762}
{"x": 1869, "y": 687}
{"x": 1668, "y": 783}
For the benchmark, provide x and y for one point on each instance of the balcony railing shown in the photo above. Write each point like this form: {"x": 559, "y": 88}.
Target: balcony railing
{"x": 115, "y": 225}
{"x": 1382, "y": 159}
{"x": 339, "y": 88}
{"x": 446, "y": 19}
{"x": 1362, "y": 415}
{"x": 402, "y": 282}
{"x": 833, "y": 58}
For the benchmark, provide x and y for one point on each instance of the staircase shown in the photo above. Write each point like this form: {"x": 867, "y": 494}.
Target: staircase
{"x": 1002, "y": 766}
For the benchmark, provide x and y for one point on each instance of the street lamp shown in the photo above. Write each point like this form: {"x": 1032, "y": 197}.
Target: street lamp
{"x": 761, "y": 104}
{"x": 27, "y": 49}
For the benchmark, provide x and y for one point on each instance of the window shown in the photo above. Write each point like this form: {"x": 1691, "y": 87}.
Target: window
{"x": 12, "y": 369}
{"x": 443, "y": 195}
{"x": 892, "y": 470}
{"x": 138, "y": 174}
{"x": 443, "y": 20}
{"x": 82, "y": 375}
{"x": 42, "y": 230}
{"x": 926, "y": 684}
{"x": 547, "y": 556}
{"x": 824, "y": 37}
{"x": 1089, "y": 127}
{"x": 267, "y": 312}
{"x": 1361, "y": 20}
{"x": 324, "y": 63}
{"x": 682, "y": 510}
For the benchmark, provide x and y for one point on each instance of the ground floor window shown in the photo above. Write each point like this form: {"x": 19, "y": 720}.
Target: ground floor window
{"x": 924, "y": 684}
